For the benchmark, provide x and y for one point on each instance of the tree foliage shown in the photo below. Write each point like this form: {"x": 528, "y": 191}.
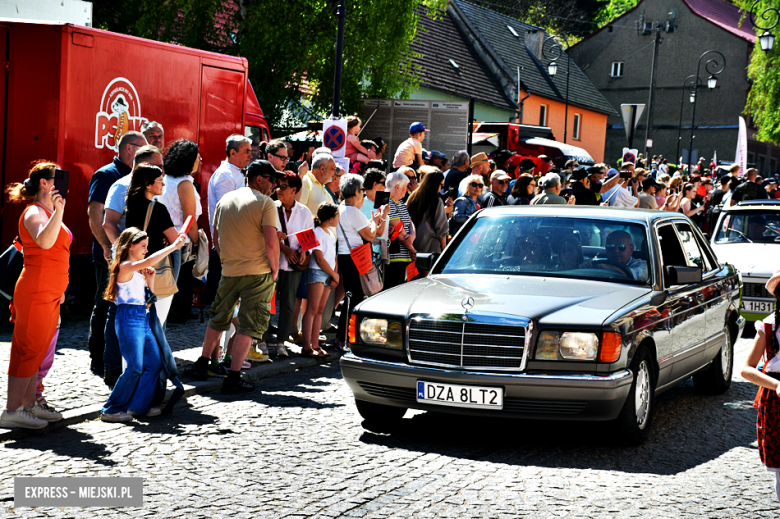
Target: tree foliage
{"x": 290, "y": 45}
{"x": 763, "y": 102}
{"x": 570, "y": 19}
{"x": 614, "y": 9}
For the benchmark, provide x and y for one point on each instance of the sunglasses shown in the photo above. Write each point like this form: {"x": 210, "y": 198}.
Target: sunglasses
{"x": 502, "y": 182}
{"x": 283, "y": 157}
{"x": 621, "y": 247}
{"x": 476, "y": 184}
{"x": 282, "y": 187}
{"x": 270, "y": 178}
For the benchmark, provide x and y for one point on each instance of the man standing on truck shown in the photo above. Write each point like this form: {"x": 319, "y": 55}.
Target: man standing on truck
{"x": 227, "y": 178}
{"x": 101, "y": 182}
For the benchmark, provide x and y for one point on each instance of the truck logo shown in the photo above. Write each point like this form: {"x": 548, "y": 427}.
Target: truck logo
{"x": 119, "y": 113}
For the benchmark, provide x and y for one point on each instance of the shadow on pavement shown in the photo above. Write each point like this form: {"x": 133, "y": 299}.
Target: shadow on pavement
{"x": 688, "y": 430}
{"x": 69, "y": 442}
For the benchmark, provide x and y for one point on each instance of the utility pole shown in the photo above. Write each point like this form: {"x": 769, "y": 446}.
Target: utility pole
{"x": 341, "y": 14}
{"x": 650, "y": 105}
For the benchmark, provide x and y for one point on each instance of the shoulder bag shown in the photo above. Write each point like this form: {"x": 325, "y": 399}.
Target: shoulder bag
{"x": 164, "y": 281}
{"x": 298, "y": 267}
{"x": 371, "y": 281}
{"x": 11, "y": 264}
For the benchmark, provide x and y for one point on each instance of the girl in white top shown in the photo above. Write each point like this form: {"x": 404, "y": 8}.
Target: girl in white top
{"x": 135, "y": 388}
{"x": 321, "y": 278}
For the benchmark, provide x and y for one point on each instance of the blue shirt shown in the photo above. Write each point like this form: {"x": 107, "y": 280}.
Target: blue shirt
{"x": 99, "y": 184}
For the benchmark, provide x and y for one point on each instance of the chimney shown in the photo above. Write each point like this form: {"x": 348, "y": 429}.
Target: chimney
{"x": 534, "y": 41}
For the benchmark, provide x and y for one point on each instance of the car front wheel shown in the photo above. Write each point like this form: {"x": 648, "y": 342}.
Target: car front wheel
{"x": 379, "y": 414}
{"x": 637, "y": 414}
{"x": 716, "y": 379}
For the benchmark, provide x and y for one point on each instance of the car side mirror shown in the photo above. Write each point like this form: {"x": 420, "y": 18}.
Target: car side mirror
{"x": 678, "y": 275}
{"x": 425, "y": 260}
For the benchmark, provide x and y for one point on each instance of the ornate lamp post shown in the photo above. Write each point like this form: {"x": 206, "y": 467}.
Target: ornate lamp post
{"x": 553, "y": 53}
{"x": 767, "y": 39}
{"x": 688, "y": 86}
{"x": 713, "y": 68}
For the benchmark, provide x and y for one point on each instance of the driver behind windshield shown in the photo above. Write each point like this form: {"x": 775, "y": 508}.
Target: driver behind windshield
{"x": 756, "y": 228}
{"x": 620, "y": 248}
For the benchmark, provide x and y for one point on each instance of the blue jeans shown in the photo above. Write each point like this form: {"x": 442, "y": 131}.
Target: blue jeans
{"x": 135, "y": 388}
{"x": 112, "y": 358}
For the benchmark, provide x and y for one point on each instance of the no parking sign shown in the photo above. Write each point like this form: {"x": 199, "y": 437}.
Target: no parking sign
{"x": 334, "y": 136}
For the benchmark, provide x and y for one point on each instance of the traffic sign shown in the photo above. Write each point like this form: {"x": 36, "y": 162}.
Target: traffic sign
{"x": 631, "y": 115}
{"x": 334, "y": 136}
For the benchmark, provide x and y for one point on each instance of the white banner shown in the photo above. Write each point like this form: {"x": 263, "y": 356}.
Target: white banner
{"x": 741, "y": 157}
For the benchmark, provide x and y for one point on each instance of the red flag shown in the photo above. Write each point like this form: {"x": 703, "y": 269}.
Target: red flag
{"x": 307, "y": 239}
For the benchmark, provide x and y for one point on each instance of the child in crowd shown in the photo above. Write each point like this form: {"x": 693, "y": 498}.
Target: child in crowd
{"x": 135, "y": 388}
{"x": 409, "y": 152}
{"x": 767, "y": 400}
{"x": 321, "y": 278}
{"x": 355, "y": 150}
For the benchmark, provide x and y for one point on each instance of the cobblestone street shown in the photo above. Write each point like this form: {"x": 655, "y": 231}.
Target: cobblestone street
{"x": 295, "y": 448}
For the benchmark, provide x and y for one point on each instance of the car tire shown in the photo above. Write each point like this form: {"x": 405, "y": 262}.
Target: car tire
{"x": 636, "y": 416}
{"x": 379, "y": 414}
{"x": 716, "y": 379}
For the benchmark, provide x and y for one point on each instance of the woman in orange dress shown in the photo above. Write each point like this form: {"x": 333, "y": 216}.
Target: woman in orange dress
{"x": 39, "y": 291}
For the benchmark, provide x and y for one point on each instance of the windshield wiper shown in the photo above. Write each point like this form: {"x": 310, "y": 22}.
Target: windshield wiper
{"x": 741, "y": 234}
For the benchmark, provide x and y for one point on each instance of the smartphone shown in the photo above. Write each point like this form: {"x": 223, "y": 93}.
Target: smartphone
{"x": 61, "y": 181}
{"x": 452, "y": 192}
{"x": 626, "y": 174}
{"x": 381, "y": 198}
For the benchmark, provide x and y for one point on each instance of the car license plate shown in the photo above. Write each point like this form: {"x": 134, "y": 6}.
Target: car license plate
{"x": 760, "y": 307}
{"x": 460, "y": 396}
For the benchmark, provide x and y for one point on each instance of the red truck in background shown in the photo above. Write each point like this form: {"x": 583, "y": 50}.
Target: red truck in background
{"x": 69, "y": 92}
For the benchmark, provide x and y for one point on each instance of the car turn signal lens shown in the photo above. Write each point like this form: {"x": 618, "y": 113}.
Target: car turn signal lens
{"x": 547, "y": 346}
{"x": 611, "y": 344}
{"x": 352, "y": 332}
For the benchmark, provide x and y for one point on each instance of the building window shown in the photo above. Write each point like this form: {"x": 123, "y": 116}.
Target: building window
{"x": 617, "y": 69}
{"x": 751, "y": 160}
{"x": 575, "y": 132}
{"x": 543, "y": 115}
{"x": 761, "y": 166}
{"x": 772, "y": 167}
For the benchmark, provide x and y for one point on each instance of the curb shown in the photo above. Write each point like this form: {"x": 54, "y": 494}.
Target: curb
{"x": 193, "y": 387}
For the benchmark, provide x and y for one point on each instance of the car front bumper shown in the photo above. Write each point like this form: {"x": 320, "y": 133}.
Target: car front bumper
{"x": 550, "y": 396}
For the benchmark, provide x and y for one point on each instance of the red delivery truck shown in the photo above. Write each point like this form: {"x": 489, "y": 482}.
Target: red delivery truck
{"x": 69, "y": 92}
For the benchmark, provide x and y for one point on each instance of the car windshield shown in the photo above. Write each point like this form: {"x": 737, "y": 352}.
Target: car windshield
{"x": 758, "y": 226}
{"x": 578, "y": 248}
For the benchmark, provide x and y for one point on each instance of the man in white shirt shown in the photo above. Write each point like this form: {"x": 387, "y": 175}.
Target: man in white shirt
{"x": 620, "y": 250}
{"x": 227, "y": 177}
{"x": 619, "y": 196}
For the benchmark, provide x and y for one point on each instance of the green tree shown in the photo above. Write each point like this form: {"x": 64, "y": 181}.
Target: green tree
{"x": 614, "y": 9}
{"x": 763, "y": 102}
{"x": 570, "y": 19}
{"x": 290, "y": 46}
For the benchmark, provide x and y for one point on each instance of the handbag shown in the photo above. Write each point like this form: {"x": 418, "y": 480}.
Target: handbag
{"x": 371, "y": 281}
{"x": 11, "y": 264}
{"x": 164, "y": 281}
{"x": 298, "y": 267}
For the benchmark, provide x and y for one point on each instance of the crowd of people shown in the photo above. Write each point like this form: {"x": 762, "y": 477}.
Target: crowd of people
{"x": 285, "y": 222}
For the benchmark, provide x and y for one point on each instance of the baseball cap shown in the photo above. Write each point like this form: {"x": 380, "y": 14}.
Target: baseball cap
{"x": 649, "y": 182}
{"x": 479, "y": 158}
{"x": 262, "y": 167}
{"x": 499, "y": 175}
{"x": 526, "y": 164}
{"x": 417, "y": 128}
{"x": 438, "y": 154}
{"x": 612, "y": 171}
{"x": 579, "y": 173}
{"x": 593, "y": 170}
{"x": 426, "y": 155}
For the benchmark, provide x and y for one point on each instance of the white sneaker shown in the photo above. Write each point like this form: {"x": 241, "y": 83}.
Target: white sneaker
{"x": 44, "y": 412}
{"x": 154, "y": 411}
{"x": 281, "y": 350}
{"x": 119, "y": 417}
{"x": 21, "y": 418}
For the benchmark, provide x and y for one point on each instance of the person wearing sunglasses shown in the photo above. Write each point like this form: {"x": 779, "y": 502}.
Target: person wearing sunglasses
{"x": 620, "y": 250}
{"x": 466, "y": 205}
{"x": 499, "y": 182}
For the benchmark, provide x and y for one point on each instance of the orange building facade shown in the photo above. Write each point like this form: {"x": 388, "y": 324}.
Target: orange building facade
{"x": 587, "y": 129}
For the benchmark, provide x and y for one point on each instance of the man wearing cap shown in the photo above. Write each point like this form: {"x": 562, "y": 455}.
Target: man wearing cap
{"x": 770, "y": 186}
{"x": 499, "y": 181}
{"x": 437, "y": 159}
{"x": 647, "y": 196}
{"x": 409, "y": 152}
{"x": 619, "y": 196}
{"x": 245, "y": 237}
{"x": 581, "y": 187}
{"x": 551, "y": 183}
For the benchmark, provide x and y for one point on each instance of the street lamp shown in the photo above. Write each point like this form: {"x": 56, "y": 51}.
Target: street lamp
{"x": 767, "y": 39}
{"x": 687, "y": 87}
{"x": 553, "y": 52}
{"x": 713, "y": 67}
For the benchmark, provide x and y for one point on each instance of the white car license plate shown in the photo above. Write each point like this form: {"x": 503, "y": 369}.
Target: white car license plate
{"x": 760, "y": 307}
{"x": 460, "y": 396}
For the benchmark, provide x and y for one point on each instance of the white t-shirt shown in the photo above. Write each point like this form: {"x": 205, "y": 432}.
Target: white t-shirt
{"x": 351, "y": 221}
{"x": 327, "y": 246}
{"x": 623, "y": 198}
{"x": 407, "y": 153}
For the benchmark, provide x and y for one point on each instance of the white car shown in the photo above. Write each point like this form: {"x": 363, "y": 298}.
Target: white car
{"x": 747, "y": 235}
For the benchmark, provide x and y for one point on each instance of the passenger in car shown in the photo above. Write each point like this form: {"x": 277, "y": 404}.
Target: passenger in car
{"x": 756, "y": 228}
{"x": 570, "y": 254}
{"x": 620, "y": 248}
{"x": 533, "y": 253}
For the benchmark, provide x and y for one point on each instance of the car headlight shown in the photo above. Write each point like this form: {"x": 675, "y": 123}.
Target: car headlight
{"x": 579, "y": 346}
{"x": 381, "y": 332}
{"x": 569, "y": 345}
